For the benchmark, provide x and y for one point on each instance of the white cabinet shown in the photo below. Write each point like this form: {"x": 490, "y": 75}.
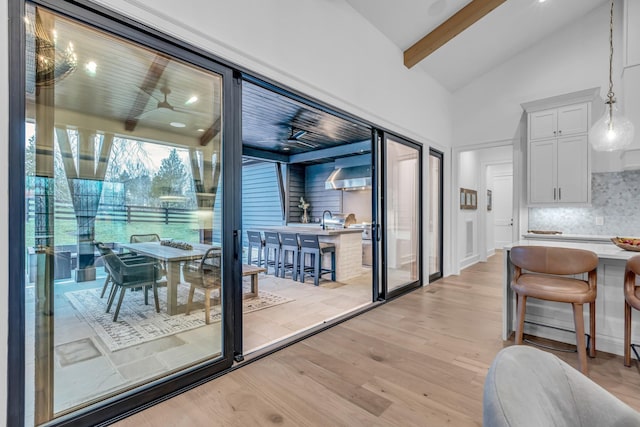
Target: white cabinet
{"x": 556, "y": 122}
{"x": 559, "y": 168}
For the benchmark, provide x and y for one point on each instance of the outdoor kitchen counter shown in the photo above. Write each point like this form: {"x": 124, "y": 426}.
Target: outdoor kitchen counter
{"x": 609, "y": 301}
{"x": 348, "y": 243}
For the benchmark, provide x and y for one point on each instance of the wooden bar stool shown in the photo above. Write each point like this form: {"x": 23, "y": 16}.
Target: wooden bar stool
{"x": 272, "y": 251}
{"x": 289, "y": 247}
{"x": 631, "y": 299}
{"x": 309, "y": 245}
{"x": 255, "y": 242}
{"x": 542, "y": 280}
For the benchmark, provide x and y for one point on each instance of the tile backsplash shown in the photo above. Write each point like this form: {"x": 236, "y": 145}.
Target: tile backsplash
{"x": 615, "y": 197}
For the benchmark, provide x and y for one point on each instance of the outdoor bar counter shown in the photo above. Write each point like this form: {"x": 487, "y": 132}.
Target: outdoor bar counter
{"x": 348, "y": 242}
{"x": 609, "y": 301}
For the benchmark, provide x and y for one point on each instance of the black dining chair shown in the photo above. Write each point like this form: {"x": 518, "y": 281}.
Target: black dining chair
{"x": 131, "y": 274}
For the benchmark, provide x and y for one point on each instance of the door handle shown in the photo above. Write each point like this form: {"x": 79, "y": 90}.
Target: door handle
{"x": 559, "y": 193}
{"x": 236, "y": 244}
{"x": 511, "y": 222}
{"x": 554, "y": 194}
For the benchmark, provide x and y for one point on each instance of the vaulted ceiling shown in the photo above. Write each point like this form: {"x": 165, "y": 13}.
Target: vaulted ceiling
{"x": 509, "y": 29}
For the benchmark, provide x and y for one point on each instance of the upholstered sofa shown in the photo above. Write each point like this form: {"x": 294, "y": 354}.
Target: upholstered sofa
{"x": 527, "y": 387}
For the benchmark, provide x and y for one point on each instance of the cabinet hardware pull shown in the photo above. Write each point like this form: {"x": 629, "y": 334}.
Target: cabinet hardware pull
{"x": 554, "y": 194}
{"x": 559, "y": 193}
{"x": 560, "y": 131}
{"x": 554, "y": 132}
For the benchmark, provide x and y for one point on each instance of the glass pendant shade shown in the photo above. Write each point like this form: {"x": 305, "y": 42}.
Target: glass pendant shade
{"x": 612, "y": 131}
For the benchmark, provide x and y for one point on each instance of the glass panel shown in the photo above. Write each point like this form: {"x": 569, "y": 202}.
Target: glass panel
{"x": 402, "y": 213}
{"x": 435, "y": 220}
{"x": 123, "y": 148}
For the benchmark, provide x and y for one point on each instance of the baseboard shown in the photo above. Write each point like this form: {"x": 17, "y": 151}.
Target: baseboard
{"x": 469, "y": 261}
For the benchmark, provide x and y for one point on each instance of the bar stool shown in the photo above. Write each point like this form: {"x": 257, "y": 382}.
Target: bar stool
{"x": 631, "y": 299}
{"x": 289, "y": 247}
{"x": 255, "y": 242}
{"x": 309, "y": 245}
{"x": 552, "y": 263}
{"x": 272, "y": 251}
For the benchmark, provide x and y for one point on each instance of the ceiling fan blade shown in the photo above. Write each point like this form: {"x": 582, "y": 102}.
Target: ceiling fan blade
{"x": 149, "y": 93}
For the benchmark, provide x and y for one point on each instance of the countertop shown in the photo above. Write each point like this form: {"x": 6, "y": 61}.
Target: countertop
{"x": 569, "y": 237}
{"x": 311, "y": 229}
{"x": 604, "y": 250}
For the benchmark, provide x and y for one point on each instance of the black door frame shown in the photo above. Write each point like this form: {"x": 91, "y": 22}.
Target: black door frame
{"x": 440, "y": 155}
{"x": 104, "y": 20}
{"x": 380, "y": 219}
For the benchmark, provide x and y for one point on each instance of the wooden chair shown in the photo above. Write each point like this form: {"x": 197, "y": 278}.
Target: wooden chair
{"x": 631, "y": 300}
{"x": 542, "y": 280}
{"x": 206, "y": 275}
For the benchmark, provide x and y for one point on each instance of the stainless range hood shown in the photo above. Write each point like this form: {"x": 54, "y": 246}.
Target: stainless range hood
{"x": 349, "y": 178}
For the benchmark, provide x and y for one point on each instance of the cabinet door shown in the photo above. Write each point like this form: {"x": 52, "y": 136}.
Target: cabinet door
{"x": 543, "y": 124}
{"x": 573, "y": 119}
{"x": 573, "y": 170}
{"x": 542, "y": 171}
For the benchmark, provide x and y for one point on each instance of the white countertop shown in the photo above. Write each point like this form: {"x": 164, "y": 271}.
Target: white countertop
{"x": 568, "y": 237}
{"x": 604, "y": 250}
{"x": 310, "y": 229}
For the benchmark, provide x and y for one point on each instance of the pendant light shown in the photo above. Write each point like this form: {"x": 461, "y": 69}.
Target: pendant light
{"x": 612, "y": 131}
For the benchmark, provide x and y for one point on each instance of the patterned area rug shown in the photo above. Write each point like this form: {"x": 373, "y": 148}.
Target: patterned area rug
{"x": 138, "y": 323}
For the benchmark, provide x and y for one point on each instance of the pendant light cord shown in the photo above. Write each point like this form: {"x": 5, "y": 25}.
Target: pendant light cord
{"x": 611, "y": 95}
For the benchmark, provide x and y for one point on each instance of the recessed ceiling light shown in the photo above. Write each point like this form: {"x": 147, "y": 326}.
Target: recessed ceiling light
{"x": 541, "y": 1}
{"x": 191, "y": 100}
{"x": 285, "y": 148}
{"x": 91, "y": 68}
{"x": 177, "y": 124}
{"x": 200, "y": 130}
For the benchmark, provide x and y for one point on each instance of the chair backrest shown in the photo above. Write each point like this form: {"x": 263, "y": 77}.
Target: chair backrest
{"x": 632, "y": 270}
{"x": 289, "y": 240}
{"x": 112, "y": 262}
{"x": 271, "y": 238}
{"x": 552, "y": 260}
{"x": 206, "y": 272}
{"x": 529, "y": 387}
{"x": 309, "y": 241}
{"x": 255, "y": 238}
{"x": 144, "y": 238}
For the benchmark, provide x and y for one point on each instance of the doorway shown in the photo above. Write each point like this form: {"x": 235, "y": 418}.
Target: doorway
{"x": 436, "y": 213}
{"x": 500, "y": 218}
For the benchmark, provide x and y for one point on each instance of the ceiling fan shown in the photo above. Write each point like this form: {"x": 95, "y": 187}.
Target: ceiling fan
{"x": 298, "y": 133}
{"x": 164, "y": 104}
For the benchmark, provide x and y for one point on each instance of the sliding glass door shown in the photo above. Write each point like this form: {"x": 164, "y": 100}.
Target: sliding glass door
{"x": 129, "y": 250}
{"x": 400, "y": 209}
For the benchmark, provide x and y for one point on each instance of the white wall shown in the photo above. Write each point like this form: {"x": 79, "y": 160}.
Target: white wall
{"x": 4, "y": 228}
{"x": 573, "y": 59}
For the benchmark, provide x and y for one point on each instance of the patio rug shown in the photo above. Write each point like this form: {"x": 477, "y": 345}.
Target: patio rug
{"x": 139, "y": 323}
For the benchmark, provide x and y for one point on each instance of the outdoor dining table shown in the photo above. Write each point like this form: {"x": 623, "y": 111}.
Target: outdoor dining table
{"x": 173, "y": 257}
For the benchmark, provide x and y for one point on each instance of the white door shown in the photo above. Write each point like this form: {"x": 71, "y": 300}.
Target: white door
{"x": 502, "y": 210}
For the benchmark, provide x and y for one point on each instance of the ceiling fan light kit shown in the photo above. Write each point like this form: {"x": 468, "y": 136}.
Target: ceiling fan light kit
{"x": 612, "y": 131}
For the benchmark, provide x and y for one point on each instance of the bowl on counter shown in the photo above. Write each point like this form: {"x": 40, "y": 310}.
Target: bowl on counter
{"x": 627, "y": 243}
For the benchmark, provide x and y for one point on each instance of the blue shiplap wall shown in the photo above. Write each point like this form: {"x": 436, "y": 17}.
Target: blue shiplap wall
{"x": 261, "y": 204}
{"x": 295, "y": 183}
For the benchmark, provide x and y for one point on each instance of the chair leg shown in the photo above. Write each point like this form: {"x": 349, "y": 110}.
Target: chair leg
{"x": 627, "y": 334}
{"x": 155, "y": 297}
{"x": 317, "y": 265}
{"x": 333, "y": 266}
{"x": 190, "y": 299}
{"x": 592, "y": 328}
{"x": 112, "y": 296}
{"x": 115, "y": 315}
{"x": 522, "y": 306}
{"x": 207, "y": 306}
{"x": 104, "y": 287}
{"x": 146, "y": 295}
{"x": 578, "y": 319}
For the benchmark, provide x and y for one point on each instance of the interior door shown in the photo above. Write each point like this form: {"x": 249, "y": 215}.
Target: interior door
{"x": 436, "y": 174}
{"x": 503, "y": 210}
{"x": 400, "y": 206}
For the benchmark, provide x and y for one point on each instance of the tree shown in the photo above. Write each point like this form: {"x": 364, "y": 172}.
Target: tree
{"x": 171, "y": 183}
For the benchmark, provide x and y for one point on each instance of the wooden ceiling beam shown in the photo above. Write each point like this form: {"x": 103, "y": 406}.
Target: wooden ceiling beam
{"x": 453, "y": 26}
{"x": 211, "y": 133}
{"x": 155, "y": 71}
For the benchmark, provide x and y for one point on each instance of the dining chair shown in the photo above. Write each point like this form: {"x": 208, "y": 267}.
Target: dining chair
{"x": 204, "y": 274}
{"x": 631, "y": 300}
{"x": 125, "y": 275}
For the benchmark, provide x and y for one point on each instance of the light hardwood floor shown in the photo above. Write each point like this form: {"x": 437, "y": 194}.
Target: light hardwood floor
{"x": 418, "y": 360}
